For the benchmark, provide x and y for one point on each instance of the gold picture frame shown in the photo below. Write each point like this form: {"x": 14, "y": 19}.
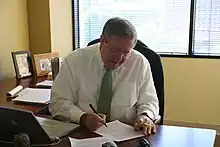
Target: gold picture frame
{"x": 43, "y": 63}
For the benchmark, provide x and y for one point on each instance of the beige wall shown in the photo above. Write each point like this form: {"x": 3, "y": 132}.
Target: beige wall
{"x": 61, "y": 26}
{"x": 50, "y": 26}
{"x": 192, "y": 90}
{"x": 39, "y": 26}
{"x": 13, "y": 33}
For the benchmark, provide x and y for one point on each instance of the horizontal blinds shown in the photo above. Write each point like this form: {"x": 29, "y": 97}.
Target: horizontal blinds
{"x": 163, "y": 25}
{"x": 207, "y": 27}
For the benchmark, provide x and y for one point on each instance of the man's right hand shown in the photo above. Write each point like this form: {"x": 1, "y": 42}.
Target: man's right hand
{"x": 92, "y": 121}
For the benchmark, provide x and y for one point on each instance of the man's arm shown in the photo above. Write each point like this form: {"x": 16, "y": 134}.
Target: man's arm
{"x": 147, "y": 102}
{"x": 63, "y": 95}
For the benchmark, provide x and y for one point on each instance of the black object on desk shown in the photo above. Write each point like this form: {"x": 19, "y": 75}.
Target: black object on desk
{"x": 55, "y": 67}
{"x": 21, "y": 140}
{"x": 109, "y": 144}
{"x": 143, "y": 142}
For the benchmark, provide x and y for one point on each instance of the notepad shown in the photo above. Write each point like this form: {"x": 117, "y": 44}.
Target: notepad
{"x": 119, "y": 131}
{"x": 30, "y": 95}
{"x": 90, "y": 142}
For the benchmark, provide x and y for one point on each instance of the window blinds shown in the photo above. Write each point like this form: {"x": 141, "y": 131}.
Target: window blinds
{"x": 163, "y": 25}
{"x": 207, "y": 27}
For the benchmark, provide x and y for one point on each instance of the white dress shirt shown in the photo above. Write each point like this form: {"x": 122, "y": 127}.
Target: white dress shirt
{"x": 78, "y": 84}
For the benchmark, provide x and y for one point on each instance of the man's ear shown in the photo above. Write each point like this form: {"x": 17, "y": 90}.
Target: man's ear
{"x": 102, "y": 39}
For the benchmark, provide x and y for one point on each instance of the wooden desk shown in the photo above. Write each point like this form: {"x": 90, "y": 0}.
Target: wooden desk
{"x": 166, "y": 136}
{"x": 7, "y": 85}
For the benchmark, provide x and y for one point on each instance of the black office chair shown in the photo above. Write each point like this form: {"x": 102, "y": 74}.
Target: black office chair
{"x": 156, "y": 69}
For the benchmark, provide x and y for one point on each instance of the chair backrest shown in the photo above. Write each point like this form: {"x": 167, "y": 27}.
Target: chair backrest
{"x": 156, "y": 69}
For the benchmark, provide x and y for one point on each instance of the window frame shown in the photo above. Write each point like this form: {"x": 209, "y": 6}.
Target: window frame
{"x": 76, "y": 35}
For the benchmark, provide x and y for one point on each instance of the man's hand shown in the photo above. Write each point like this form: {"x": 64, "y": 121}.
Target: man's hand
{"x": 145, "y": 123}
{"x": 92, "y": 121}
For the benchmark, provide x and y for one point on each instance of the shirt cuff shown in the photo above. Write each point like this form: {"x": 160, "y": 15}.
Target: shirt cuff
{"x": 76, "y": 117}
{"x": 149, "y": 114}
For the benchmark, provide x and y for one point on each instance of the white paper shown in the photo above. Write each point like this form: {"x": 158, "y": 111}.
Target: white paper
{"x": 56, "y": 128}
{"x": 14, "y": 91}
{"x": 34, "y": 95}
{"x": 45, "y": 83}
{"x": 119, "y": 131}
{"x": 89, "y": 142}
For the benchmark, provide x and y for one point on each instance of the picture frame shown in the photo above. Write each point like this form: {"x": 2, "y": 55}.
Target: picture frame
{"x": 43, "y": 63}
{"x": 22, "y": 63}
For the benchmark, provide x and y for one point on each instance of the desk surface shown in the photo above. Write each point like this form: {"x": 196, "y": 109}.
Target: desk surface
{"x": 7, "y": 85}
{"x": 166, "y": 136}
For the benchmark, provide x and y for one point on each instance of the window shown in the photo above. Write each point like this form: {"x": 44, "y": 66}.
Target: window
{"x": 163, "y": 25}
{"x": 207, "y": 28}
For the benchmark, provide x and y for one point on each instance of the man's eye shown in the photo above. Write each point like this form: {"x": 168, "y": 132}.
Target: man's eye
{"x": 126, "y": 52}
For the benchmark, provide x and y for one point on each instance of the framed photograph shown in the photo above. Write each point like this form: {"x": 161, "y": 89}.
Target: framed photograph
{"x": 22, "y": 63}
{"x": 43, "y": 63}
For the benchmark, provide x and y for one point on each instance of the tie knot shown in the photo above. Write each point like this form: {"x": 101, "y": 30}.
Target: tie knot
{"x": 108, "y": 70}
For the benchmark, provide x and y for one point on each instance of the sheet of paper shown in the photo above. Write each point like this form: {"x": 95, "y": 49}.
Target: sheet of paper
{"x": 34, "y": 95}
{"x": 56, "y": 128}
{"x": 89, "y": 142}
{"x": 119, "y": 131}
{"x": 45, "y": 83}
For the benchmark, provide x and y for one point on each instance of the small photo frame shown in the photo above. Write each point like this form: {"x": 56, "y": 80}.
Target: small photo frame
{"x": 22, "y": 63}
{"x": 43, "y": 63}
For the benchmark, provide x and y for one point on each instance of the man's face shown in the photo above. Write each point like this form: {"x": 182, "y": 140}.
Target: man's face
{"x": 115, "y": 50}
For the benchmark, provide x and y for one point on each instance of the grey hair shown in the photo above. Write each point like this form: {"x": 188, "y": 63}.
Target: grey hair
{"x": 119, "y": 27}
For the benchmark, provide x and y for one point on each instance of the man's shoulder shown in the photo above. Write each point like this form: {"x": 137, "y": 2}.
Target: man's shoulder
{"x": 139, "y": 57}
{"x": 136, "y": 54}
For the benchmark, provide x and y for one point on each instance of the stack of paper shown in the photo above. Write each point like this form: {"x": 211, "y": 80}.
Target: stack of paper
{"x": 119, "y": 131}
{"x": 115, "y": 131}
{"x": 33, "y": 95}
{"x": 46, "y": 83}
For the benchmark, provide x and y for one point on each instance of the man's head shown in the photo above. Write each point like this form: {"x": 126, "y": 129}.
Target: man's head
{"x": 116, "y": 42}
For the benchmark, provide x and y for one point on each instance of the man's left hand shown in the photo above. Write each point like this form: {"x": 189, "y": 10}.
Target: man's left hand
{"x": 146, "y": 124}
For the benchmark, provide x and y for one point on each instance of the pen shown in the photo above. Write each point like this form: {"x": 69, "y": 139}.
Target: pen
{"x": 90, "y": 105}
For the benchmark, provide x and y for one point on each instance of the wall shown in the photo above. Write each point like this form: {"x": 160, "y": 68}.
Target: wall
{"x": 50, "y": 26}
{"x": 61, "y": 26}
{"x": 39, "y": 26}
{"x": 13, "y": 33}
{"x": 192, "y": 90}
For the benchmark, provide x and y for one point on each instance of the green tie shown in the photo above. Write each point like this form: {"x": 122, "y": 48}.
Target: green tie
{"x": 105, "y": 96}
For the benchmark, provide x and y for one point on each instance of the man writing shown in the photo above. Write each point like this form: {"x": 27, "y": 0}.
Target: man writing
{"x": 112, "y": 77}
